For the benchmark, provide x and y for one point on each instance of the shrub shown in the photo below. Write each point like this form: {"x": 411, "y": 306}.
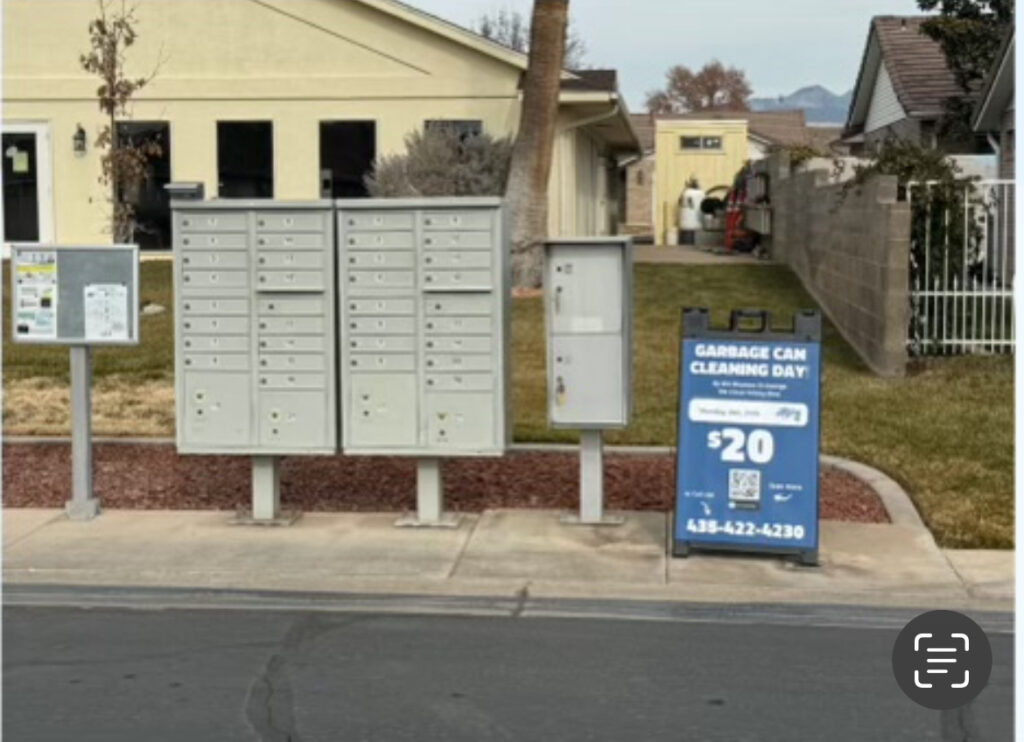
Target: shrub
{"x": 440, "y": 162}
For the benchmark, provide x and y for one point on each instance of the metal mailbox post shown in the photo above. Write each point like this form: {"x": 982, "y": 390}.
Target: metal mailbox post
{"x": 255, "y": 334}
{"x": 588, "y": 312}
{"x": 423, "y": 289}
{"x": 78, "y": 296}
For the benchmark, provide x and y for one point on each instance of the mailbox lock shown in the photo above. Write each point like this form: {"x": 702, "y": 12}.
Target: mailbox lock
{"x": 428, "y": 261}
{"x": 558, "y": 297}
{"x": 560, "y": 391}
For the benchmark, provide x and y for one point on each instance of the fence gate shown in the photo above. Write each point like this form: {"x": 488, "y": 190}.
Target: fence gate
{"x": 961, "y": 267}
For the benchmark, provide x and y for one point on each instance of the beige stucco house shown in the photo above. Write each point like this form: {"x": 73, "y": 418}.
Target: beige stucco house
{"x": 293, "y": 99}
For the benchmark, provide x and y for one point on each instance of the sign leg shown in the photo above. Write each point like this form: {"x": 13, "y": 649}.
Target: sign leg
{"x": 592, "y": 483}
{"x": 429, "y": 499}
{"x": 82, "y": 505}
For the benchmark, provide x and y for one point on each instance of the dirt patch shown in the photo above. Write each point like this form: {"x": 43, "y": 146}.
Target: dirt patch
{"x": 155, "y": 477}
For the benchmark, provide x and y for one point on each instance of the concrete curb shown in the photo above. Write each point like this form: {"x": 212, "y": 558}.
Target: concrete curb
{"x": 897, "y": 502}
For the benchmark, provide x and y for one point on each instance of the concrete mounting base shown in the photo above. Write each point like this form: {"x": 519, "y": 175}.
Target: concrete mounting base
{"x": 412, "y": 520}
{"x": 82, "y": 509}
{"x": 574, "y": 519}
{"x": 284, "y": 518}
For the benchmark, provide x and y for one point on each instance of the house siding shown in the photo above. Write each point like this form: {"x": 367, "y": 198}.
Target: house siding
{"x": 885, "y": 108}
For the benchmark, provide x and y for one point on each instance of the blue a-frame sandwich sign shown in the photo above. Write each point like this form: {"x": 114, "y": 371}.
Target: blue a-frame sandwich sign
{"x": 749, "y": 436}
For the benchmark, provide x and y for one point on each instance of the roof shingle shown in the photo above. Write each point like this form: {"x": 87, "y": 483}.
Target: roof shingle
{"x": 917, "y": 65}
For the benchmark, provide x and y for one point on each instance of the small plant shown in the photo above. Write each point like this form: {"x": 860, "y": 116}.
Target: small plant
{"x": 439, "y": 162}
{"x": 124, "y": 160}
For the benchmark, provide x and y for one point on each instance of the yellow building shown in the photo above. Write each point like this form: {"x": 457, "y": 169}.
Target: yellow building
{"x": 293, "y": 99}
{"x": 711, "y": 151}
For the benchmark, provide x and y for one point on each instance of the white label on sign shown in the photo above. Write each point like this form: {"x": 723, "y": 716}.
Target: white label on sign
{"x": 35, "y": 295}
{"x": 106, "y": 311}
{"x": 781, "y": 414}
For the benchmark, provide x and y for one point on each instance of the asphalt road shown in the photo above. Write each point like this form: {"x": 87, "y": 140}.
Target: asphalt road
{"x": 260, "y": 670}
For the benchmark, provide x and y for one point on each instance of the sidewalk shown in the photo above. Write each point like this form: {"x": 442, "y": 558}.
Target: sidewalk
{"x": 496, "y": 553}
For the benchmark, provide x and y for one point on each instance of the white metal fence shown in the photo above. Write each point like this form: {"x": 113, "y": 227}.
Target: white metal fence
{"x": 962, "y": 267}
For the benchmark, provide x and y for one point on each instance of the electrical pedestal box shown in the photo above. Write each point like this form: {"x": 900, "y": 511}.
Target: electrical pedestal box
{"x": 254, "y": 327}
{"x": 423, "y": 295}
{"x": 588, "y": 292}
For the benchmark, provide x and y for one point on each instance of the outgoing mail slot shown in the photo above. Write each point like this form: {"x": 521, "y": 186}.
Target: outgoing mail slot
{"x": 292, "y": 306}
{"x": 216, "y": 343}
{"x": 383, "y": 344}
{"x": 291, "y": 325}
{"x": 388, "y": 362}
{"x": 458, "y": 241}
{"x": 380, "y": 306}
{"x": 446, "y": 280}
{"x": 380, "y": 279}
{"x": 299, "y": 241}
{"x": 289, "y": 362}
{"x": 440, "y": 305}
{"x": 212, "y": 259}
{"x": 381, "y": 325}
{"x": 215, "y": 279}
{"x": 217, "y": 361}
{"x": 458, "y": 326}
{"x": 215, "y": 325}
{"x": 297, "y": 380}
{"x": 290, "y": 221}
{"x": 290, "y": 280}
{"x": 215, "y": 306}
{"x": 380, "y": 240}
{"x": 377, "y": 220}
{"x": 309, "y": 260}
{"x": 457, "y": 362}
{"x": 198, "y": 241}
{"x": 296, "y": 344}
{"x": 393, "y": 259}
{"x": 213, "y": 222}
{"x": 480, "y": 219}
{"x": 458, "y": 259}
{"x": 460, "y": 382}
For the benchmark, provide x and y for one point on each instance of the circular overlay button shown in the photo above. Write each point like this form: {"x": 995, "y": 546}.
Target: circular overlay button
{"x": 942, "y": 660}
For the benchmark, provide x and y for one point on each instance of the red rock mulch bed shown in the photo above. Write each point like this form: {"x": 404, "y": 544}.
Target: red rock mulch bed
{"x": 155, "y": 477}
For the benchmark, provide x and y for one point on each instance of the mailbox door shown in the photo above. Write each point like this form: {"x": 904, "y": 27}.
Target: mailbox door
{"x": 585, "y": 289}
{"x": 586, "y": 382}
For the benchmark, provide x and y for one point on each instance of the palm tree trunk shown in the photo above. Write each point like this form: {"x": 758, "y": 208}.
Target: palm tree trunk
{"x": 527, "y": 192}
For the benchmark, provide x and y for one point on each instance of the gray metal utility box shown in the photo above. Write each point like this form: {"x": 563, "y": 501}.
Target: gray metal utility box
{"x": 588, "y": 295}
{"x": 254, "y": 327}
{"x": 423, "y": 291}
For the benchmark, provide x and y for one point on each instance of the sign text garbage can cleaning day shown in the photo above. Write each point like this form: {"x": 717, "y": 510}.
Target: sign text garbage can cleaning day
{"x": 749, "y": 429}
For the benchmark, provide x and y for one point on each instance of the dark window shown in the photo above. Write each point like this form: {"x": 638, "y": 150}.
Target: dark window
{"x": 700, "y": 143}
{"x": 150, "y": 200}
{"x": 463, "y": 128}
{"x": 21, "y": 188}
{"x": 689, "y": 142}
{"x": 347, "y": 152}
{"x": 712, "y": 143}
{"x": 245, "y": 159}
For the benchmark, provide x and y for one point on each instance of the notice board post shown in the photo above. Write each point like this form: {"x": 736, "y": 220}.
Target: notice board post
{"x": 79, "y": 296}
{"x": 749, "y": 435}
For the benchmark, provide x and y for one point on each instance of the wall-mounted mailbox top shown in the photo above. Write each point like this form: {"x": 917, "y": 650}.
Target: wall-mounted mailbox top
{"x": 75, "y": 294}
{"x": 254, "y": 320}
{"x": 588, "y": 310}
{"x": 423, "y": 287}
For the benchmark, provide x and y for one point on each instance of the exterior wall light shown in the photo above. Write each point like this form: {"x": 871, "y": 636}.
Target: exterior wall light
{"x": 78, "y": 141}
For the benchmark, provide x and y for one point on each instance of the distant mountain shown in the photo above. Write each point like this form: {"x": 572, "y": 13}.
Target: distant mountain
{"x": 821, "y": 105}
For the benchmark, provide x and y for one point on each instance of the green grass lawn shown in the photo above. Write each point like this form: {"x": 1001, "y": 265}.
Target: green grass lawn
{"x": 945, "y": 433}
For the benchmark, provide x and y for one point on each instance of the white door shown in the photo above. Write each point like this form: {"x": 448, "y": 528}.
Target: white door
{"x": 27, "y": 182}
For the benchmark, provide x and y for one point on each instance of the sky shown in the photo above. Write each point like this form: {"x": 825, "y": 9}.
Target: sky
{"x": 782, "y": 45}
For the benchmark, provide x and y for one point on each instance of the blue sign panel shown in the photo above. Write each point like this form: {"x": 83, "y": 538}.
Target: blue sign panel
{"x": 747, "y": 467}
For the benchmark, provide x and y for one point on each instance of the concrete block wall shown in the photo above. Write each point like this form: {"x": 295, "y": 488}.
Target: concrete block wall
{"x": 852, "y": 253}
{"x": 639, "y": 217}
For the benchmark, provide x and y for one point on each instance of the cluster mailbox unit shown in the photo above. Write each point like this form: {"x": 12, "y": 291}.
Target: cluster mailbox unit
{"x": 588, "y": 285}
{"x": 420, "y": 294}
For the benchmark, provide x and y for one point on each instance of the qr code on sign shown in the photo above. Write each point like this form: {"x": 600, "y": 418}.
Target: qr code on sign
{"x": 744, "y": 486}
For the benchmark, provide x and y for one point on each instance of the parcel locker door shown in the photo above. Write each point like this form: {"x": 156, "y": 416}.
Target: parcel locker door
{"x": 585, "y": 380}
{"x": 585, "y": 289}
